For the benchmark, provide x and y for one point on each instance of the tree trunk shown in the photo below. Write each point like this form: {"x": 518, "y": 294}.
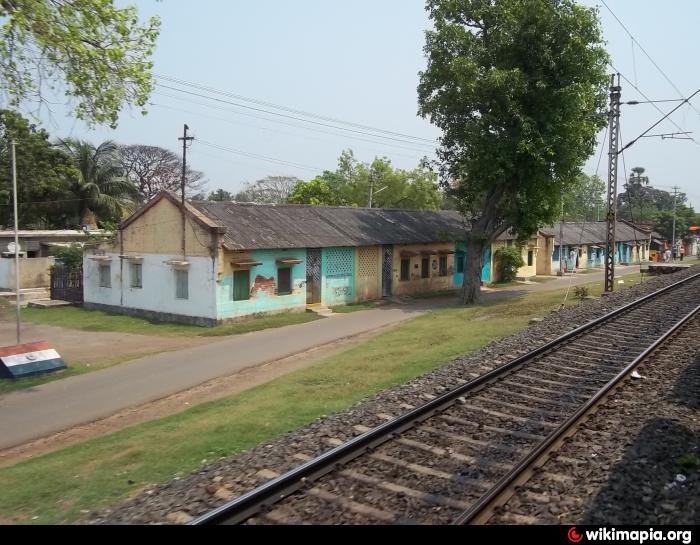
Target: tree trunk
{"x": 471, "y": 289}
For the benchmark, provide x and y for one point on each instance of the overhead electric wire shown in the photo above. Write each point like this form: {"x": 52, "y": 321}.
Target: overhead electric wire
{"x": 659, "y": 121}
{"x": 634, "y": 40}
{"x": 258, "y": 156}
{"x": 419, "y": 151}
{"x": 238, "y": 105}
{"x": 653, "y": 103}
{"x": 289, "y": 109}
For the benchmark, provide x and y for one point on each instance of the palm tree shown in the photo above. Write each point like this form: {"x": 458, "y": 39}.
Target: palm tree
{"x": 100, "y": 187}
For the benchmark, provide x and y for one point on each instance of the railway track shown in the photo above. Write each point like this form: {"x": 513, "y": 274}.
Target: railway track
{"x": 455, "y": 458}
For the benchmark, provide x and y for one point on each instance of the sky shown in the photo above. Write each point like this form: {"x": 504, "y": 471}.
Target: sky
{"x": 358, "y": 62}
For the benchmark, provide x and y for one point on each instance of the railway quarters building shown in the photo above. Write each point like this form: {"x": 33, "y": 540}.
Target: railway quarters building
{"x": 231, "y": 261}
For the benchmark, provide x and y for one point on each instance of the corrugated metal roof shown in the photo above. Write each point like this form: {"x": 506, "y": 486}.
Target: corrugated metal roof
{"x": 595, "y": 232}
{"x": 257, "y": 226}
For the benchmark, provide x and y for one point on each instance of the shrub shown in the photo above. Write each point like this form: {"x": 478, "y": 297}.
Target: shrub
{"x": 581, "y": 292}
{"x": 70, "y": 257}
{"x": 508, "y": 261}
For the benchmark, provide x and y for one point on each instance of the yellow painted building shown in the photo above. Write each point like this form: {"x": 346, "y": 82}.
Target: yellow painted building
{"x": 423, "y": 267}
{"x": 368, "y": 273}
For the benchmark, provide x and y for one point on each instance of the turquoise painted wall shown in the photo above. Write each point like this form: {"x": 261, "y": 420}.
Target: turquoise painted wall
{"x": 263, "y": 287}
{"x": 485, "y": 271}
{"x": 338, "y": 270}
{"x": 460, "y": 248}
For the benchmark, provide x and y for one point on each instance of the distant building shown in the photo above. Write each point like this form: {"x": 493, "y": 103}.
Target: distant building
{"x": 583, "y": 244}
{"x": 37, "y": 248}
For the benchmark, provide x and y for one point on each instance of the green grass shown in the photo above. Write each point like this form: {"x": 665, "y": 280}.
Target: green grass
{"x": 73, "y": 368}
{"x": 56, "y": 487}
{"x": 354, "y": 307}
{"x": 98, "y": 320}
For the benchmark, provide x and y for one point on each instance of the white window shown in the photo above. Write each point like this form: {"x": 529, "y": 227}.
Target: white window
{"x": 105, "y": 276}
{"x": 135, "y": 275}
{"x": 181, "y": 281}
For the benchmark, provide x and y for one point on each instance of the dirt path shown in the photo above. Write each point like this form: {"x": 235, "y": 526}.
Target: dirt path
{"x": 95, "y": 346}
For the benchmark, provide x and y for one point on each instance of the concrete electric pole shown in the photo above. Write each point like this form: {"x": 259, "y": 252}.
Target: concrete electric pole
{"x": 673, "y": 231}
{"x": 184, "y": 139}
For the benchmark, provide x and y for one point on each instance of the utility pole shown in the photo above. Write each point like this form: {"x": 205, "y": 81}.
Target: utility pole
{"x": 673, "y": 235}
{"x": 14, "y": 203}
{"x": 371, "y": 186}
{"x": 561, "y": 240}
{"x": 611, "y": 217}
{"x": 184, "y": 139}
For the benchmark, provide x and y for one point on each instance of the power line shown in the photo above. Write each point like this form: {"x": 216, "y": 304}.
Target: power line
{"x": 288, "y": 109}
{"x": 634, "y": 40}
{"x": 312, "y": 129}
{"x": 261, "y": 157}
{"x": 659, "y": 121}
{"x": 238, "y": 105}
{"x": 653, "y": 103}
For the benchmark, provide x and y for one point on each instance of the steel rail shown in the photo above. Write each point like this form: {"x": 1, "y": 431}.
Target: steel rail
{"x": 487, "y": 500}
{"x": 246, "y": 505}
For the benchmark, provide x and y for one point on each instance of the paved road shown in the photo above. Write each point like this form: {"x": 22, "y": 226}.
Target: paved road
{"x": 35, "y": 412}
{"x": 55, "y": 406}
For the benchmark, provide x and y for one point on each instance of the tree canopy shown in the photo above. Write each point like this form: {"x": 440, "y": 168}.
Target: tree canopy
{"x": 349, "y": 185}
{"x": 99, "y": 53}
{"x": 44, "y": 174}
{"x": 585, "y": 199}
{"x": 269, "y": 190}
{"x": 643, "y": 204}
{"x": 100, "y": 187}
{"x": 153, "y": 169}
{"x": 518, "y": 88}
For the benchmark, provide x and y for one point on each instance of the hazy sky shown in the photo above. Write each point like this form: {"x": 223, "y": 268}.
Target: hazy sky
{"x": 358, "y": 62}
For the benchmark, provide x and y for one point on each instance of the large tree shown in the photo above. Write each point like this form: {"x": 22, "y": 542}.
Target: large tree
{"x": 585, "y": 199}
{"x": 518, "y": 88}
{"x": 392, "y": 187}
{"x": 640, "y": 202}
{"x": 100, "y": 189}
{"x": 153, "y": 169}
{"x": 92, "y": 51}
{"x": 269, "y": 190}
{"x": 43, "y": 175}
{"x": 316, "y": 191}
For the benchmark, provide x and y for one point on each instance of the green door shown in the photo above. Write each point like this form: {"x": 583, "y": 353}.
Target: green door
{"x": 241, "y": 285}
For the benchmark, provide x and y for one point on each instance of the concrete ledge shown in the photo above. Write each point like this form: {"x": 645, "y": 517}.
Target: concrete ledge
{"x": 152, "y": 315}
{"x": 49, "y": 303}
{"x": 667, "y": 268}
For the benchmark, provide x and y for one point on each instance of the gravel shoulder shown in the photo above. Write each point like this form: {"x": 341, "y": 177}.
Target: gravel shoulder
{"x": 636, "y": 461}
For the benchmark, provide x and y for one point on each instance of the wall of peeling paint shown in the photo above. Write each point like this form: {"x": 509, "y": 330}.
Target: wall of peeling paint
{"x": 263, "y": 289}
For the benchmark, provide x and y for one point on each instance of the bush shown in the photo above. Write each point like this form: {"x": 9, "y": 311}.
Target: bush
{"x": 508, "y": 261}
{"x": 70, "y": 257}
{"x": 581, "y": 293}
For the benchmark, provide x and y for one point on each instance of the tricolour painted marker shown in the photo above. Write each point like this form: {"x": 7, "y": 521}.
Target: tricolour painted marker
{"x": 24, "y": 360}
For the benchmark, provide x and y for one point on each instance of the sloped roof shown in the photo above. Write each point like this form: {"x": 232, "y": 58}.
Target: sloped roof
{"x": 595, "y": 232}
{"x": 259, "y": 226}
